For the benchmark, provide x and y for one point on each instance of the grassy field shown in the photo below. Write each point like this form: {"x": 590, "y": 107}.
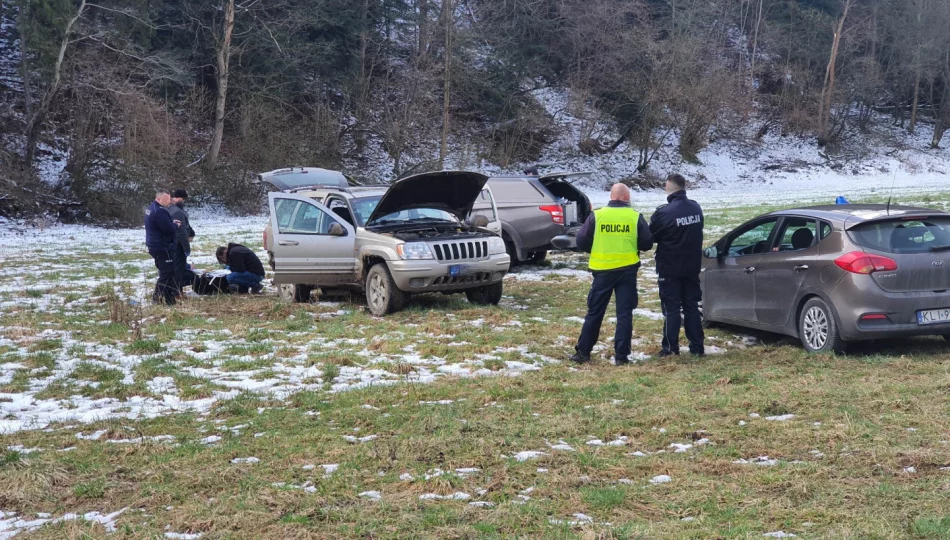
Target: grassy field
{"x": 247, "y": 418}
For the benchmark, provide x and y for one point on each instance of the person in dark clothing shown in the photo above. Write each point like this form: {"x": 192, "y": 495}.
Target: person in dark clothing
{"x": 183, "y": 237}
{"x": 677, "y": 228}
{"x": 614, "y": 236}
{"x": 160, "y": 230}
{"x": 247, "y": 272}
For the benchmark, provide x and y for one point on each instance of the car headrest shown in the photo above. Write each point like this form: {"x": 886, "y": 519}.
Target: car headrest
{"x": 905, "y": 237}
{"x": 802, "y": 239}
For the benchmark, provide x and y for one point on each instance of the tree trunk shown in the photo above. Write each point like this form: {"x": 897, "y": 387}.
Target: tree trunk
{"x": 423, "y": 27}
{"x": 224, "y": 63}
{"x": 443, "y": 150}
{"x": 35, "y": 122}
{"x": 913, "y": 106}
{"x": 755, "y": 42}
{"x": 827, "y": 91}
{"x": 24, "y": 26}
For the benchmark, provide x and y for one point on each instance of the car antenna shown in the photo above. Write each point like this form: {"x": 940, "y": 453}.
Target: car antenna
{"x": 890, "y": 195}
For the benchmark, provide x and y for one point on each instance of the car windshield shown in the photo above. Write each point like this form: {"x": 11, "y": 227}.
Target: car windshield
{"x": 363, "y": 207}
{"x": 904, "y": 236}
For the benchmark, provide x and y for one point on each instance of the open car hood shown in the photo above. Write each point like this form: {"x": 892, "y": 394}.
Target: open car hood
{"x": 452, "y": 191}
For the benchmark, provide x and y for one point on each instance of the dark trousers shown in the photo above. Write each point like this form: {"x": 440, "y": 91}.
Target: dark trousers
{"x": 681, "y": 295}
{"x": 623, "y": 282}
{"x": 183, "y": 275}
{"x": 244, "y": 280}
{"x": 166, "y": 288}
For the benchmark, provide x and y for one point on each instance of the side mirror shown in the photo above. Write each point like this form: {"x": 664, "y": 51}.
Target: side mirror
{"x": 479, "y": 221}
{"x": 337, "y": 230}
{"x": 711, "y": 252}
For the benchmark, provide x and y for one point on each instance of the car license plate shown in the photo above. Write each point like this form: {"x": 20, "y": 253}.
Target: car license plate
{"x": 455, "y": 270}
{"x": 933, "y": 316}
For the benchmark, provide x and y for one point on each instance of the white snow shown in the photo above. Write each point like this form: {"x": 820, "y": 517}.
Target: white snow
{"x": 780, "y": 418}
{"x": 12, "y": 525}
{"x": 328, "y": 470}
{"x": 457, "y": 496}
{"x": 764, "y": 461}
{"x": 371, "y": 495}
{"x": 780, "y": 534}
{"x": 183, "y": 536}
{"x": 239, "y": 461}
{"x": 528, "y": 454}
{"x": 661, "y": 479}
{"x": 620, "y": 441}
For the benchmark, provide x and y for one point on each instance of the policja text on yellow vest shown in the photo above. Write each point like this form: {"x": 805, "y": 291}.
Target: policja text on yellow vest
{"x": 615, "y": 238}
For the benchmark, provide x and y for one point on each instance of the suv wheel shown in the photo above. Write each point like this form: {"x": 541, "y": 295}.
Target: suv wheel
{"x": 818, "y": 328}
{"x": 489, "y": 295}
{"x": 537, "y": 257}
{"x": 382, "y": 295}
{"x": 289, "y": 292}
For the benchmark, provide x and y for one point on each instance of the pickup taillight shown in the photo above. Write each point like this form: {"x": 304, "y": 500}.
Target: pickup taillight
{"x": 557, "y": 213}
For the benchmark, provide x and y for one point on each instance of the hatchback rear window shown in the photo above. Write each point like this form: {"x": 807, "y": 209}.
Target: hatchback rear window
{"x": 904, "y": 236}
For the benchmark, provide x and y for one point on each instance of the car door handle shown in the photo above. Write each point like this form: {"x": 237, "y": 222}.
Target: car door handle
{"x": 288, "y": 243}
{"x": 749, "y": 269}
{"x": 801, "y": 268}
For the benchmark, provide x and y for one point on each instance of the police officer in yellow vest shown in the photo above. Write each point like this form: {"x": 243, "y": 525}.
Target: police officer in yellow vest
{"x": 614, "y": 236}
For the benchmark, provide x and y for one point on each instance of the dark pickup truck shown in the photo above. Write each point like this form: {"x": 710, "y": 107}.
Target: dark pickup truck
{"x": 536, "y": 209}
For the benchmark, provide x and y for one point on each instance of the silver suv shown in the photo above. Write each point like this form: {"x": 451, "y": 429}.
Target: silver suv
{"x": 415, "y": 237}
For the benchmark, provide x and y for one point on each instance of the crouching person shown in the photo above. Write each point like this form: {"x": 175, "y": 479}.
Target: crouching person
{"x": 247, "y": 272}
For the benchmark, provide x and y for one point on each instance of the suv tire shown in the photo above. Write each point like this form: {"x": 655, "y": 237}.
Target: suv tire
{"x": 382, "y": 295}
{"x": 818, "y": 328}
{"x": 537, "y": 257}
{"x": 294, "y": 293}
{"x": 489, "y": 295}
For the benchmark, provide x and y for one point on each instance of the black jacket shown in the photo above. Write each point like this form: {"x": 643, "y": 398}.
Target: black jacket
{"x": 159, "y": 229}
{"x": 585, "y": 236}
{"x": 185, "y": 233}
{"x": 678, "y": 231}
{"x": 241, "y": 259}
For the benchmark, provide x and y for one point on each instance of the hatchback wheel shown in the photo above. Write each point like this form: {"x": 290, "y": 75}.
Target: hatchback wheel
{"x": 818, "y": 329}
{"x": 382, "y": 295}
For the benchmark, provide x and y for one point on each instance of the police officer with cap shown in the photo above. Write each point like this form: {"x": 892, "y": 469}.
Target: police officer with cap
{"x": 614, "y": 236}
{"x": 677, "y": 228}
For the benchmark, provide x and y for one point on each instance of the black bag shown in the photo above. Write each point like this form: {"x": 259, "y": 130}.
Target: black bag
{"x": 207, "y": 284}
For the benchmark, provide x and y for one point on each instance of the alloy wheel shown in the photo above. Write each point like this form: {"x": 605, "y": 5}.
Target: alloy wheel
{"x": 377, "y": 291}
{"x": 815, "y": 328}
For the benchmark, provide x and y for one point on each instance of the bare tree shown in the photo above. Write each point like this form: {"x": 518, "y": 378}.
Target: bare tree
{"x": 223, "y": 36}
{"x": 828, "y": 88}
{"x": 446, "y": 96}
{"x": 35, "y": 122}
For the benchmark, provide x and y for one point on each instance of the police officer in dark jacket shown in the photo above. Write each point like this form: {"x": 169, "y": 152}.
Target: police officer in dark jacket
{"x": 160, "y": 232}
{"x": 183, "y": 237}
{"x": 614, "y": 236}
{"x": 677, "y": 229}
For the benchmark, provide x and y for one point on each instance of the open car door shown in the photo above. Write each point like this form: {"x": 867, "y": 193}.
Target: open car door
{"x": 312, "y": 245}
{"x": 485, "y": 206}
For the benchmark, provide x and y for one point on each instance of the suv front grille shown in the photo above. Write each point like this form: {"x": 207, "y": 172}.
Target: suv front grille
{"x": 461, "y": 250}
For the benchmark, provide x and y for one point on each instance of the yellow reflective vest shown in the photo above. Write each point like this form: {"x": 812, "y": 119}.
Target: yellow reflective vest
{"x": 615, "y": 238}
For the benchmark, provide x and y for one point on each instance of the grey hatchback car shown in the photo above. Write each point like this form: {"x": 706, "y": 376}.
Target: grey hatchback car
{"x": 830, "y": 275}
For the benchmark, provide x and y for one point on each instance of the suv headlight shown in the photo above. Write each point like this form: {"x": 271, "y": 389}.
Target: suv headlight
{"x": 496, "y": 246}
{"x": 414, "y": 251}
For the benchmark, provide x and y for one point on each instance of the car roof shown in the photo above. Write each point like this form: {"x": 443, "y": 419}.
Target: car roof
{"x": 852, "y": 214}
